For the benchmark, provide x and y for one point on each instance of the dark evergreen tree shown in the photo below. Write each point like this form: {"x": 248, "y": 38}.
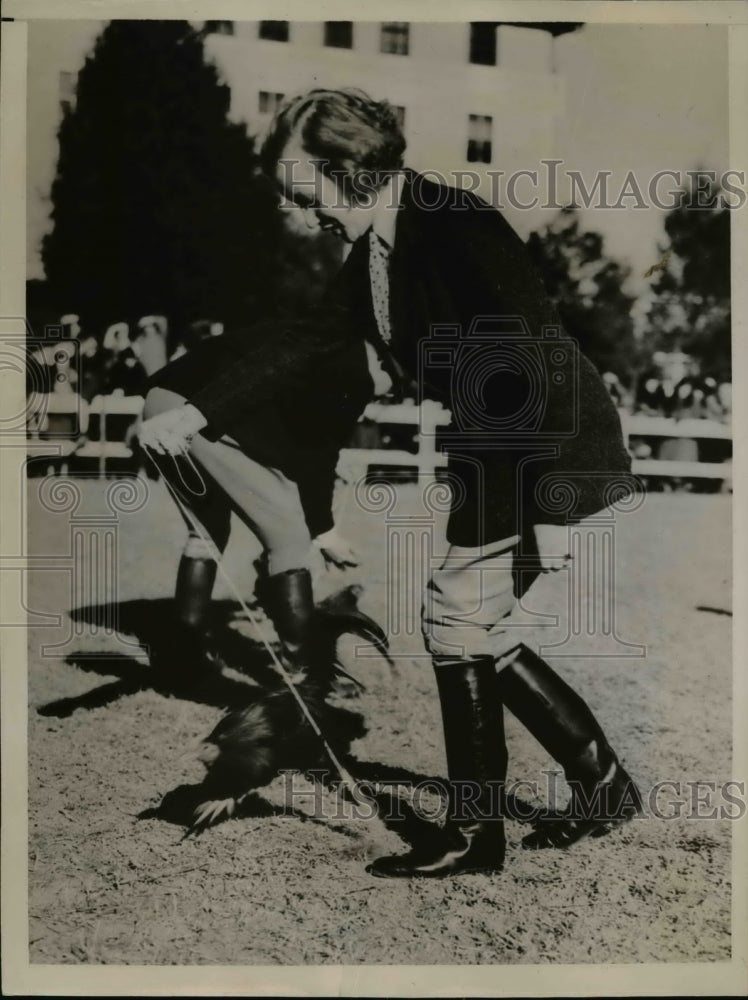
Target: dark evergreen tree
{"x": 691, "y": 308}
{"x": 158, "y": 204}
{"x": 586, "y": 286}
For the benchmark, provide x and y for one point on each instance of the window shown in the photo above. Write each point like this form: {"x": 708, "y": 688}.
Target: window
{"x": 275, "y": 31}
{"x": 395, "y": 37}
{"x": 269, "y": 103}
{"x": 219, "y": 27}
{"x": 483, "y": 43}
{"x": 479, "y": 139}
{"x": 67, "y": 90}
{"x": 339, "y": 34}
{"x": 399, "y": 114}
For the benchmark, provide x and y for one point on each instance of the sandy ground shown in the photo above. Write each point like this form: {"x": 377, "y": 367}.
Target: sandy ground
{"x": 112, "y": 881}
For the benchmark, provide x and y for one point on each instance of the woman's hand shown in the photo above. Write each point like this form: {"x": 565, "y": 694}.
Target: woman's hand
{"x": 170, "y": 433}
{"x": 553, "y": 546}
{"x": 335, "y": 549}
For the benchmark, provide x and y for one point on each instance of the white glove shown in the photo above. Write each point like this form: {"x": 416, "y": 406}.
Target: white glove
{"x": 335, "y": 549}
{"x": 170, "y": 433}
{"x": 553, "y": 546}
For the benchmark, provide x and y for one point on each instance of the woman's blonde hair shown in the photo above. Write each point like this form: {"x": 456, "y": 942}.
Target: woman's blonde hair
{"x": 357, "y": 140}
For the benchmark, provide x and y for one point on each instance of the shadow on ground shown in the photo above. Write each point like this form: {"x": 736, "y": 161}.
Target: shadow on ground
{"x": 151, "y": 623}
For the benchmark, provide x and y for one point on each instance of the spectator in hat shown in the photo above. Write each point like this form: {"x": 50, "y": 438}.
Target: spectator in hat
{"x": 123, "y": 373}
{"x": 150, "y": 338}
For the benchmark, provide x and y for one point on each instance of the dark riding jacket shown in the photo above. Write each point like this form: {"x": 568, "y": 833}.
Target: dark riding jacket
{"x": 535, "y": 436}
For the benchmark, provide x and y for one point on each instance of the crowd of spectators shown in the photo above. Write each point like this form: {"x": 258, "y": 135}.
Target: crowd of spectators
{"x": 674, "y": 386}
{"x": 118, "y": 362}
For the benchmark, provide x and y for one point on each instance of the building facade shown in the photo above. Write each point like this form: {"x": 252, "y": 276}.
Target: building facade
{"x": 471, "y": 97}
{"x": 483, "y": 98}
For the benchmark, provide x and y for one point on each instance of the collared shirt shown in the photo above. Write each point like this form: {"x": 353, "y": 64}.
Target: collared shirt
{"x": 381, "y": 237}
{"x": 381, "y": 245}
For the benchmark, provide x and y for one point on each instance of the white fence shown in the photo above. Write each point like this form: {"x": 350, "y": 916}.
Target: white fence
{"x": 429, "y": 417}
{"x": 63, "y": 426}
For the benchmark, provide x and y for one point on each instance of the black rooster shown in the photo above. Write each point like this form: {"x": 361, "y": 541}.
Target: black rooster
{"x": 250, "y": 746}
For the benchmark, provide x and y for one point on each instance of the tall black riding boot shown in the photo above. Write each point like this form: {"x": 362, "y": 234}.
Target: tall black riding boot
{"x": 309, "y": 645}
{"x": 308, "y": 633}
{"x": 181, "y": 654}
{"x": 476, "y": 762}
{"x": 288, "y": 600}
{"x": 603, "y": 794}
{"x": 195, "y": 579}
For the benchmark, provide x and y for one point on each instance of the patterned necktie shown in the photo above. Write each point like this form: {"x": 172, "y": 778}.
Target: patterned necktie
{"x": 379, "y": 262}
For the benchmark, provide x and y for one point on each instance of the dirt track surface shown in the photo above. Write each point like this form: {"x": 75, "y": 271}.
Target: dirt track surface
{"x": 277, "y": 885}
